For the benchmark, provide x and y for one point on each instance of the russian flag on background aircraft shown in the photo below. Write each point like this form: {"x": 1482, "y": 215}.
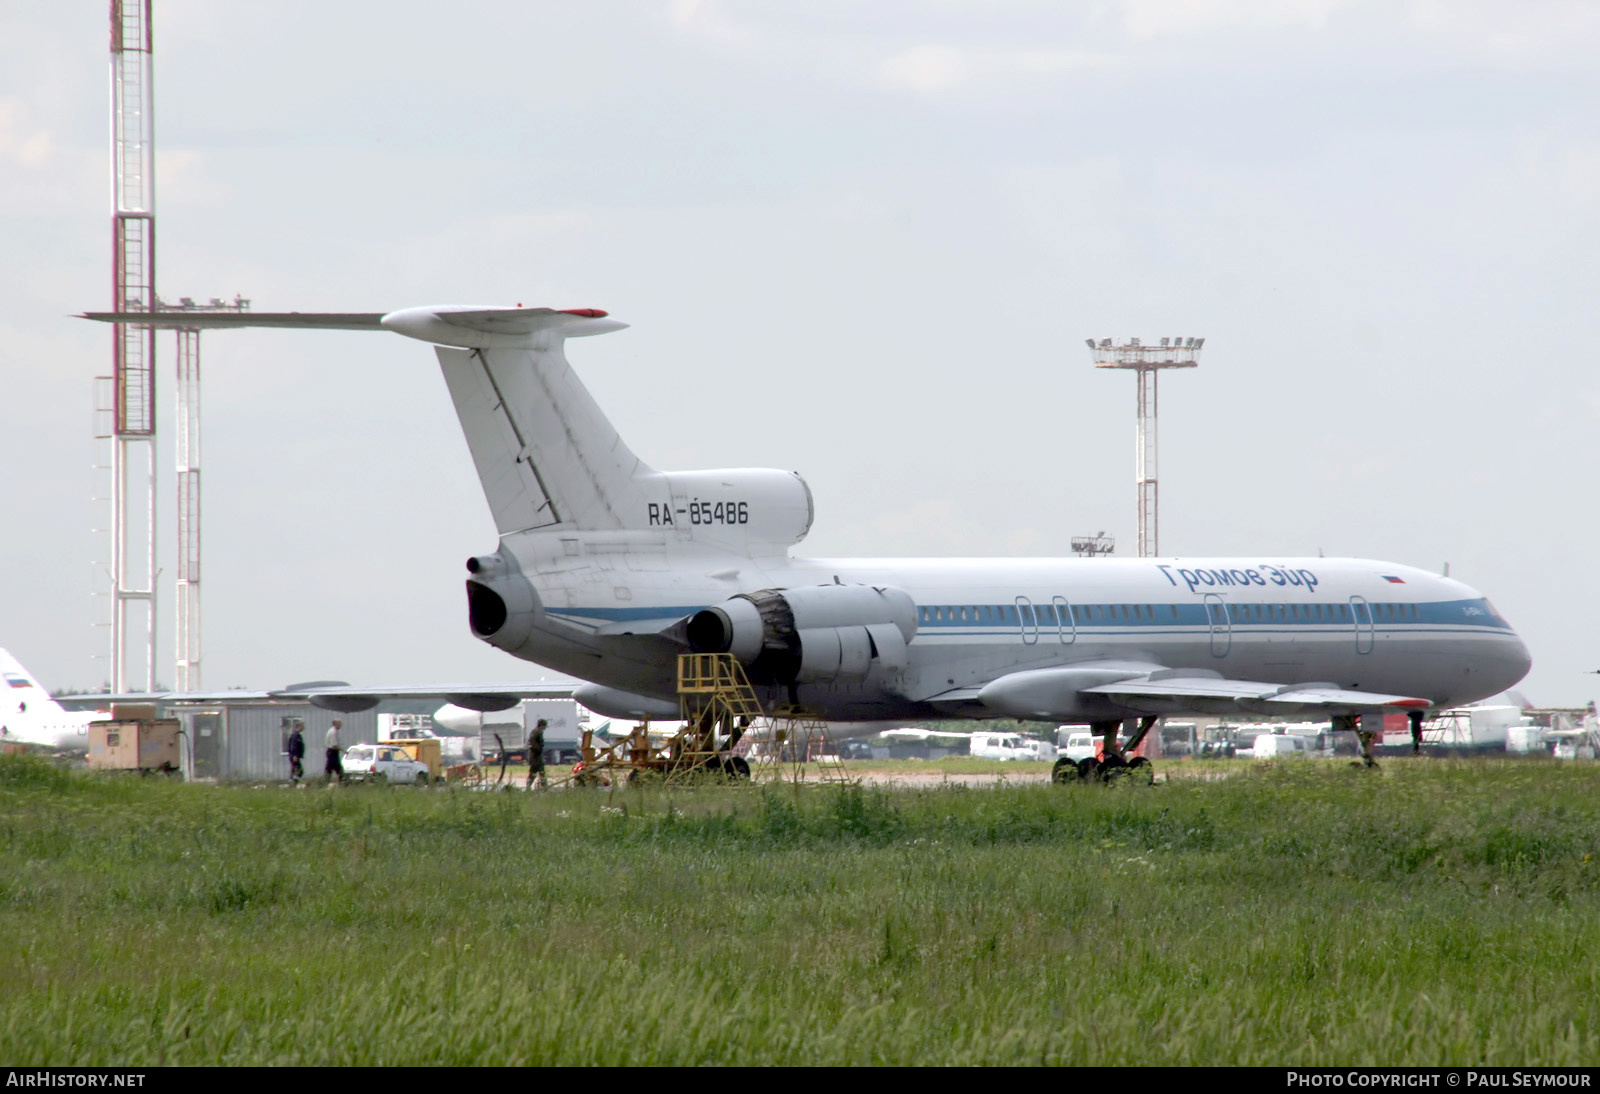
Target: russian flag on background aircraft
{"x": 18, "y": 681}
{"x": 1394, "y": 580}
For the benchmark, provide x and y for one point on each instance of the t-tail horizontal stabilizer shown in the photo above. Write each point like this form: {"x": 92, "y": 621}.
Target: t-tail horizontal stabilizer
{"x": 466, "y": 325}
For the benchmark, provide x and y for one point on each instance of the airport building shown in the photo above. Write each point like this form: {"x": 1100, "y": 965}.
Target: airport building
{"x": 249, "y": 740}
{"x": 246, "y": 739}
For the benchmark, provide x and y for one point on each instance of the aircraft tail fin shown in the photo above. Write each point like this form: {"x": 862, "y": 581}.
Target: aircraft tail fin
{"x": 547, "y": 456}
{"x": 20, "y": 692}
{"x": 550, "y": 460}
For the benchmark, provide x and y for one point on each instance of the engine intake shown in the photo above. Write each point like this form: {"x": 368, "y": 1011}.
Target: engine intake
{"x": 501, "y": 604}
{"x": 486, "y": 610}
{"x": 815, "y": 634}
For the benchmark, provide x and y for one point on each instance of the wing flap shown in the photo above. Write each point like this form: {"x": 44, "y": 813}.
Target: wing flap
{"x": 1343, "y": 697}
{"x": 1185, "y": 688}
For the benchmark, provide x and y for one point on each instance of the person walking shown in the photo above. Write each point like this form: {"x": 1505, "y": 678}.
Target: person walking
{"x": 297, "y": 755}
{"x": 536, "y": 756}
{"x": 335, "y": 765}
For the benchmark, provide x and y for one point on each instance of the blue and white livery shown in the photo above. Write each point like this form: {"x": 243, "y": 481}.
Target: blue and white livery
{"x": 607, "y": 568}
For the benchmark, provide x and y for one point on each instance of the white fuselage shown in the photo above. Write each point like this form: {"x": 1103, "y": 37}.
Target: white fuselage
{"x": 1356, "y": 624}
{"x": 59, "y": 729}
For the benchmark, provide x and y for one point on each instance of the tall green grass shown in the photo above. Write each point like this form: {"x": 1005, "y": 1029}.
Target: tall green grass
{"x": 1441, "y": 912}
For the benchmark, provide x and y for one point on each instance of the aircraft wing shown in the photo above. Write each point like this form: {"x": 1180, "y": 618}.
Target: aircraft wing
{"x": 100, "y": 701}
{"x": 1174, "y": 694}
{"x": 480, "y": 697}
{"x": 1143, "y": 688}
{"x": 342, "y": 697}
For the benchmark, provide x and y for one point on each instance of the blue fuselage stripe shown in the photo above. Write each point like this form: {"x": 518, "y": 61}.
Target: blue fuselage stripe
{"x": 1239, "y": 617}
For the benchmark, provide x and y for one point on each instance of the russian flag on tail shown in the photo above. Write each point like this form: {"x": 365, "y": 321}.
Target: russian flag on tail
{"x": 1394, "y": 580}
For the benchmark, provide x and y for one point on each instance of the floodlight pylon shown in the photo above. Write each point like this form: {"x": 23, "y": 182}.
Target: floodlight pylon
{"x": 1146, "y": 362}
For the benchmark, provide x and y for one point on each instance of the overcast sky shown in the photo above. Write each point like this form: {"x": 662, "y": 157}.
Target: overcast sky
{"x": 864, "y": 241}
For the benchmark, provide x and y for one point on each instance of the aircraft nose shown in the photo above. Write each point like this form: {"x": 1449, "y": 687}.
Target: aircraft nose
{"x": 1515, "y": 660}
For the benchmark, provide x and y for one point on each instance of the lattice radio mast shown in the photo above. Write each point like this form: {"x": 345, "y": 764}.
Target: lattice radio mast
{"x": 128, "y": 399}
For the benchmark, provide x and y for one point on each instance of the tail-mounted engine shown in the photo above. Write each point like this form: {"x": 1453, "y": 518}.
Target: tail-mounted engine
{"x": 817, "y": 634}
{"x": 502, "y": 606}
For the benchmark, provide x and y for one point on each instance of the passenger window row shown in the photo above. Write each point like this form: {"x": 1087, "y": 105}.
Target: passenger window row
{"x": 1050, "y": 615}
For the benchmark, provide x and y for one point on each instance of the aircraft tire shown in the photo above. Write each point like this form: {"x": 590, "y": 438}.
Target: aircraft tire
{"x": 1112, "y": 768}
{"x": 1088, "y": 769}
{"x": 1064, "y": 771}
{"x": 737, "y": 768}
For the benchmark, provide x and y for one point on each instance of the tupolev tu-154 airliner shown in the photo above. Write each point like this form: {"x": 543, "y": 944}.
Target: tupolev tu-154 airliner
{"x": 607, "y": 569}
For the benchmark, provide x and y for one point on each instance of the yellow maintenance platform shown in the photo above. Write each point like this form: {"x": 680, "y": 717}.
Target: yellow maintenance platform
{"x": 719, "y": 709}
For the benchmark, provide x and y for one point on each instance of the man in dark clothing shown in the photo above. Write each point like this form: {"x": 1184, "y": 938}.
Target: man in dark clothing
{"x": 536, "y": 755}
{"x": 297, "y": 753}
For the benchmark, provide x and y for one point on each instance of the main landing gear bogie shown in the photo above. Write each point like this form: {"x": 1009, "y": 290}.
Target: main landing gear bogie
{"x": 1112, "y": 769}
{"x": 1107, "y": 770}
{"x": 1113, "y": 764}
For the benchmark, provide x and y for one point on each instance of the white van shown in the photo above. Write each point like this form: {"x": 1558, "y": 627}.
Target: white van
{"x": 1273, "y": 745}
{"x": 1003, "y": 746}
{"x": 1076, "y": 744}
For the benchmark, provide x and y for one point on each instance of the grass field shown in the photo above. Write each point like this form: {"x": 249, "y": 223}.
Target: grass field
{"x": 1441, "y": 912}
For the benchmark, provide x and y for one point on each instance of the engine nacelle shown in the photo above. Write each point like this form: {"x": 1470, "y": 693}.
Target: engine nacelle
{"x": 502, "y": 605}
{"x": 625, "y": 704}
{"x": 1054, "y": 693}
{"x": 814, "y": 634}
